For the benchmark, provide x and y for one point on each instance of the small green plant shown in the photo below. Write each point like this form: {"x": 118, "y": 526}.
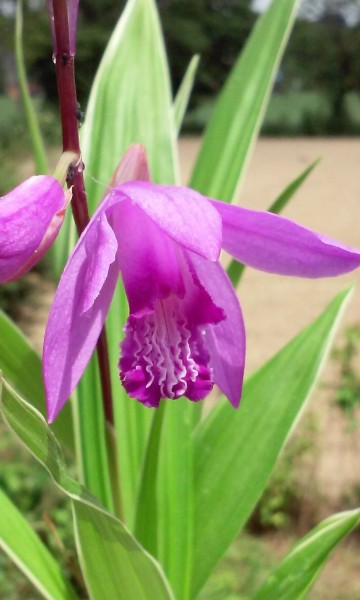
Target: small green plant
{"x": 347, "y": 395}
{"x": 284, "y": 500}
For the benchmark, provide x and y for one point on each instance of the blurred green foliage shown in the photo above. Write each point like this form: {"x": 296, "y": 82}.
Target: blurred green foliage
{"x": 28, "y": 485}
{"x": 347, "y": 392}
{"x": 324, "y": 56}
{"x": 286, "y": 502}
{"x": 318, "y": 85}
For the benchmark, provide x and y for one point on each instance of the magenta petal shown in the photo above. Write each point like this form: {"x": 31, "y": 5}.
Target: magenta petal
{"x": 78, "y": 312}
{"x": 132, "y": 167}
{"x": 101, "y": 247}
{"x": 30, "y": 218}
{"x": 225, "y": 341}
{"x": 149, "y": 261}
{"x": 277, "y": 245}
{"x": 183, "y": 214}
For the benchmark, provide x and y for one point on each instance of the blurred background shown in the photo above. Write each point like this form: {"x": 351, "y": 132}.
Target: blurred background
{"x": 317, "y": 88}
{"x": 314, "y": 112}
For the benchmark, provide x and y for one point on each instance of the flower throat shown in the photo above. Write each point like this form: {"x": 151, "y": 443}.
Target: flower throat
{"x": 163, "y": 356}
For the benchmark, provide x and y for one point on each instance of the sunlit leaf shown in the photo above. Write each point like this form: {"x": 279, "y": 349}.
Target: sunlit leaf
{"x": 184, "y": 92}
{"x": 240, "y": 108}
{"x": 237, "y": 450}
{"x": 298, "y": 571}
{"x": 113, "y": 564}
{"x": 29, "y": 553}
{"x": 21, "y": 366}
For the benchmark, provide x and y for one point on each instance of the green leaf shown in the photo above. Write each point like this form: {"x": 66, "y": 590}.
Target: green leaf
{"x": 146, "y": 530}
{"x": 28, "y": 552}
{"x": 175, "y": 496}
{"x": 241, "y": 105}
{"x": 130, "y": 102}
{"x": 184, "y": 92}
{"x": 228, "y": 481}
{"x": 113, "y": 563}
{"x": 166, "y": 486}
{"x": 235, "y": 269}
{"x": 92, "y": 449}
{"x": 21, "y": 366}
{"x": 293, "y": 578}
{"x": 281, "y": 201}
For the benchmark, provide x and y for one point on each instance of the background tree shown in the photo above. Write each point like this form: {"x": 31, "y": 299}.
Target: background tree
{"x": 324, "y": 55}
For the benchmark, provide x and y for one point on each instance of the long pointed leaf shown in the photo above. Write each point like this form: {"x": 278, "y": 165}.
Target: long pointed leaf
{"x": 184, "y": 92}
{"x": 293, "y": 578}
{"x": 130, "y": 102}
{"x": 114, "y": 565}
{"x": 175, "y": 496}
{"x": 240, "y": 108}
{"x": 21, "y": 366}
{"x": 228, "y": 481}
{"x": 281, "y": 201}
{"x": 146, "y": 530}
{"x": 28, "y": 552}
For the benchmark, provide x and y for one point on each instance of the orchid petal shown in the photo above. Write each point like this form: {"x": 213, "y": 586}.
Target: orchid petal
{"x": 183, "y": 214}
{"x": 277, "y": 245}
{"x": 78, "y": 312}
{"x": 72, "y": 11}
{"x": 148, "y": 259}
{"x": 132, "y": 167}
{"x": 30, "y": 218}
{"x": 225, "y": 340}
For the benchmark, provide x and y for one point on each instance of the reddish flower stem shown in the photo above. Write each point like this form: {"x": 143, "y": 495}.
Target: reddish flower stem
{"x": 65, "y": 75}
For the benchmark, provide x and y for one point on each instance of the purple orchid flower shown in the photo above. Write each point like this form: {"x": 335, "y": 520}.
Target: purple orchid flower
{"x": 72, "y": 11}
{"x": 30, "y": 218}
{"x": 185, "y": 330}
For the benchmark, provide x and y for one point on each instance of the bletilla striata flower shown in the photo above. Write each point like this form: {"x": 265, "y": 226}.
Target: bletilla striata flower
{"x": 185, "y": 329}
{"x": 30, "y": 218}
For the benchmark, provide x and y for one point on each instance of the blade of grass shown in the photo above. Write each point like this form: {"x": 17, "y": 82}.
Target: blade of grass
{"x": 184, "y": 92}
{"x": 15, "y": 352}
{"x": 298, "y": 571}
{"x": 281, "y": 201}
{"x": 241, "y": 105}
{"x": 31, "y": 556}
{"x": 30, "y": 113}
{"x": 228, "y": 481}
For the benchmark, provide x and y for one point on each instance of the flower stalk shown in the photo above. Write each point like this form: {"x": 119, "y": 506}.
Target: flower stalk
{"x": 64, "y": 58}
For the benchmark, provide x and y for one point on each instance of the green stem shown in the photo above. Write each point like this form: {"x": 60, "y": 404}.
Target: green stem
{"x": 30, "y": 114}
